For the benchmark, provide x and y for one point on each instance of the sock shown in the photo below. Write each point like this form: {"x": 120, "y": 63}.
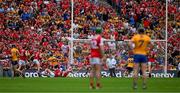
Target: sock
{"x": 91, "y": 84}
{"x": 98, "y": 84}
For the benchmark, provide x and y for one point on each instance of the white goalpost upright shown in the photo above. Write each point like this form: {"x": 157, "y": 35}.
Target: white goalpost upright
{"x": 166, "y": 38}
{"x": 71, "y": 41}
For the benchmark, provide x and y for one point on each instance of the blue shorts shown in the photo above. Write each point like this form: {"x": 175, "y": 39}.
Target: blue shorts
{"x": 140, "y": 58}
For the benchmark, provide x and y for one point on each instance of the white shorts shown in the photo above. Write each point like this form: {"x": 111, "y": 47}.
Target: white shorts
{"x": 149, "y": 63}
{"x": 95, "y": 60}
{"x": 35, "y": 61}
{"x": 50, "y": 74}
{"x": 21, "y": 62}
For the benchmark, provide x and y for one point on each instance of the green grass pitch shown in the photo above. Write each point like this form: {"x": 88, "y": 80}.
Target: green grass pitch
{"x": 81, "y": 85}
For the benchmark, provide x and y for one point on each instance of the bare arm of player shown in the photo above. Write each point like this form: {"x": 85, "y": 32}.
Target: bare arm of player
{"x": 31, "y": 57}
{"x": 102, "y": 51}
{"x": 18, "y": 54}
{"x": 150, "y": 45}
{"x": 102, "y": 47}
{"x": 131, "y": 45}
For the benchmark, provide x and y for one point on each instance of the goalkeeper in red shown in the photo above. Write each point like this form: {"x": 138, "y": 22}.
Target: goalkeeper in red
{"x": 140, "y": 42}
{"x": 95, "y": 60}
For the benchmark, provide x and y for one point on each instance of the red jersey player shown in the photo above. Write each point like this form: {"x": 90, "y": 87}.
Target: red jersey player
{"x": 95, "y": 61}
{"x": 22, "y": 61}
{"x": 36, "y": 59}
{"x": 56, "y": 72}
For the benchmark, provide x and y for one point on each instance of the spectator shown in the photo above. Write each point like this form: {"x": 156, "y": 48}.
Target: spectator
{"x": 7, "y": 68}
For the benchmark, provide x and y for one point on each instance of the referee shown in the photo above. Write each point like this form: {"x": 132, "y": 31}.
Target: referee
{"x": 111, "y": 63}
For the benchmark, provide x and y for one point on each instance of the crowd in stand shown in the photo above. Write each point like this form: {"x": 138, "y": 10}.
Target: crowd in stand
{"x": 173, "y": 33}
{"x": 132, "y": 15}
{"x": 43, "y": 26}
{"x": 36, "y": 26}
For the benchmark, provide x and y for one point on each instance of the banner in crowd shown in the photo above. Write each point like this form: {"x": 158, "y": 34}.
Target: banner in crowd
{"x": 119, "y": 74}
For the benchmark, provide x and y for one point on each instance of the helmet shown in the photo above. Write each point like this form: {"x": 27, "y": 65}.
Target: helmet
{"x": 98, "y": 30}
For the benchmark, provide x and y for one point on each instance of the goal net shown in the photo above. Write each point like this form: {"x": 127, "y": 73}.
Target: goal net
{"x": 121, "y": 50}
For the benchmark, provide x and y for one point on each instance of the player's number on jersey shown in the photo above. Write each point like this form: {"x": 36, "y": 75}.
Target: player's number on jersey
{"x": 94, "y": 44}
{"x": 141, "y": 42}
